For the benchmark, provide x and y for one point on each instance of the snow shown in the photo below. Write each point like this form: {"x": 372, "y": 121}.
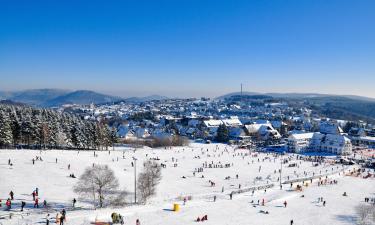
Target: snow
{"x": 55, "y": 186}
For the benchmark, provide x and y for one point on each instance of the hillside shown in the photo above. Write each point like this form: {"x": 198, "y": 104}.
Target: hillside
{"x": 81, "y": 97}
{"x": 56, "y": 97}
{"x": 37, "y": 96}
{"x": 332, "y": 106}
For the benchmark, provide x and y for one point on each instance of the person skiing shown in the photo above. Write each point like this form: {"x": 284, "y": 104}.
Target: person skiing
{"x": 285, "y": 203}
{"x": 11, "y": 194}
{"x": 74, "y": 202}
{"x": 231, "y": 195}
{"x": 22, "y": 205}
{"x": 36, "y": 203}
{"x": 45, "y": 203}
{"x": 137, "y": 222}
{"x": 121, "y": 219}
{"x": 62, "y": 218}
{"x": 47, "y": 219}
{"x": 291, "y": 222}
{"x": 324, "y": 203}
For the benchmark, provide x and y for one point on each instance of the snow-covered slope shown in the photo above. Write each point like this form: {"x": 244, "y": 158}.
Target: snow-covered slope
{"x": 55, "y": 185}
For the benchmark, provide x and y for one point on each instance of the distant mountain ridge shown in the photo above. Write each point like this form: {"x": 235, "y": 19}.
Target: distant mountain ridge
{"x": 297, "y": 95}
{"x": 346, "y": 107}
{"x": 81, "y": 97}
{"x": 58, "y": 97}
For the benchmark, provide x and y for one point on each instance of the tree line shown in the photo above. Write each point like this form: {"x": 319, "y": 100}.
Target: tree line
{"x": 39, "y": 128}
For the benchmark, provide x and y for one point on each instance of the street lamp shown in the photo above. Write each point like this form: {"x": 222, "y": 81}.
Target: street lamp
{"x": 135, "y": 179}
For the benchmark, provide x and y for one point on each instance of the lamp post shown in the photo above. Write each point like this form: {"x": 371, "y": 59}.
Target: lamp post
{"x": 135, "y": 180}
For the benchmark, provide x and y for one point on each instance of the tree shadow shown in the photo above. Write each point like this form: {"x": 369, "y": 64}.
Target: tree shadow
{"x": 346, "y": 218}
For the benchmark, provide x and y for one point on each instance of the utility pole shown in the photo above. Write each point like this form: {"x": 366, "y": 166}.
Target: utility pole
{"x": 281, "y": 169}
{"x": 241, "y": 92}
{"x": 135, "y": 180}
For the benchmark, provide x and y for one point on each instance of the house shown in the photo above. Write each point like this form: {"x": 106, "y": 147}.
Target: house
{"x": 142, "y": 132}
{"x": 238, "y": 133}
{"x": 328, "y": 127}
{"x": 318, "y": 142}
{"x": 364, "y": 141}
{"x": 232, "y": 122}
{"x": 337, "y": 144}
{"x": 299, "y": 142}
{"x": 125, "y": 132}
{"x": 264, "y": 131}
{"x": 212, "y": 123}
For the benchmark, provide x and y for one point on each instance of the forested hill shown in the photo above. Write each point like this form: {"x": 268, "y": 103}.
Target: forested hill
{"x": 27, "y": 127}
{"x": 352, "y": 108}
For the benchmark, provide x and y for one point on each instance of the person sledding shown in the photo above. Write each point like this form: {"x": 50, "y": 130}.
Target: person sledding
{"x": 8, "y": 204}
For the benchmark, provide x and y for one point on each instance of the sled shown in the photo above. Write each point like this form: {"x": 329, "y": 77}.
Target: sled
{"x": 101, "y": 223}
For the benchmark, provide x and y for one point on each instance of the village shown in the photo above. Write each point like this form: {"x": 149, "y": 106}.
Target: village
{"x": 263, "y": 159}
{"x": 256, "y": 123}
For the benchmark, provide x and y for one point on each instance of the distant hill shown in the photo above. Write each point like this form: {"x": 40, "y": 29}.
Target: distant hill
{"x": 236, "y": 93}
{"x": 145, "y": 99}
{"x": 81, "y": 97}
{"x": 142, "y": 99}
{"x": 56, "y": 97}
{"x": 10, "y": 102}
{"x": 347, "y": 107}
{"x": 37, "y": 96}
{"x": 298, "y": 95}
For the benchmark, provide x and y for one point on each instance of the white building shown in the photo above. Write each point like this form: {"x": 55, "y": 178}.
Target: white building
{"x": 317, "y": 142}
{"x": 299, "y": 142}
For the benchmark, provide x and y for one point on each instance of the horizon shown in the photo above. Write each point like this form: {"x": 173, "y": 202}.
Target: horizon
{"x": 189, "y": 48}
{"x": 184, "y": 97}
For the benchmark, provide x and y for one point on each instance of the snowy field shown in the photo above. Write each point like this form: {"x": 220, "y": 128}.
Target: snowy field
{"x": 253, "y": 170}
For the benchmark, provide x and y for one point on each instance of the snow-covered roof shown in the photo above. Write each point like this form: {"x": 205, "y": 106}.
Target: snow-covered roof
{"x": 232, "y": 122}
{"x": 302, "y": 136}
{"x": 212, "y": 123}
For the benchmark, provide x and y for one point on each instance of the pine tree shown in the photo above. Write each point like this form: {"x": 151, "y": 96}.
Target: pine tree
{"x": 6, "y": 136}
{"x": 113, "y": 137}
{"x": 16, "y": 127}
{"x": 222, "y": 133}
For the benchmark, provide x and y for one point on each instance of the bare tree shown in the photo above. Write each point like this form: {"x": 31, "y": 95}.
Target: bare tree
{"x": 100, "y": 184}
{"x": 148, "y": 180}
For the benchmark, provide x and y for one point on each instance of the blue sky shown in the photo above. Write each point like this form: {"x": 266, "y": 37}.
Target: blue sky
{"x": 189, "y": 48}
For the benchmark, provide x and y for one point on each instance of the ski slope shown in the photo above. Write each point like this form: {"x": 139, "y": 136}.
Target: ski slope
{"x": 253, "y": 170}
